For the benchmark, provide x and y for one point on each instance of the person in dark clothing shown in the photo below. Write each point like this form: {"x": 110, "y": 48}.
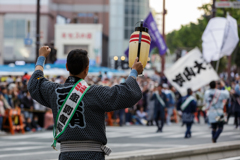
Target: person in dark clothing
{"x": 27, "y": 101}
{"x": 79, "y": 109}
{"x": 160, "y": 99}
{"x": 35, "y": 125}
{"x": 145, "y": 92}
{"x": 236, "y": 106}
{"x": 187, "y": 105}
{"x": 27, "y": 104}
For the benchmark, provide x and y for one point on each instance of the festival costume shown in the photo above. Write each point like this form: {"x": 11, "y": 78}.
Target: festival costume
{"x": 88, "y": 123}
{"x": 214, "y": 103}
{"x": 160, "y": 102}
{"x": 187, "y": 105}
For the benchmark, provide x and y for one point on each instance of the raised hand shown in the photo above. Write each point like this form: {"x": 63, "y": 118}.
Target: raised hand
{"x": 44, "y": 51}
{"x": 137, "y": 66}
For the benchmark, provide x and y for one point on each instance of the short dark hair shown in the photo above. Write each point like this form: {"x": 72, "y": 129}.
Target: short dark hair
{"x": 160, "y": 85}
{"x": 212, "y": 84}
{"x": 189, "y": 91}
{"x": 77, "y": 61}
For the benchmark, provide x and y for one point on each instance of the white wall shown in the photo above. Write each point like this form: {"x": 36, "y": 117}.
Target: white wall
{"x": 94, "y": 43}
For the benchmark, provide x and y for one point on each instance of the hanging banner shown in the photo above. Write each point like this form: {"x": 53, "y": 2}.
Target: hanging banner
{"x": 190, "y": 71}
{"x": 156, "y": 38}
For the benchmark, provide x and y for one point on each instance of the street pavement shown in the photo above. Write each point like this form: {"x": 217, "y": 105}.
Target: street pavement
{"x": 37, "y": 146}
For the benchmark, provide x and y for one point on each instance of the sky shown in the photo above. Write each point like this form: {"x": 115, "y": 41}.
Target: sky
{"x": 179, "y": 12}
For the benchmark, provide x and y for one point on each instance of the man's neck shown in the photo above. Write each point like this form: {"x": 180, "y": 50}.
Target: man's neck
{"x": 79, "y": 76}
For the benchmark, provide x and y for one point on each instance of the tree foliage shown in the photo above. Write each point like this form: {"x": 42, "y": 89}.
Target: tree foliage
{"x": 189, "y": 36}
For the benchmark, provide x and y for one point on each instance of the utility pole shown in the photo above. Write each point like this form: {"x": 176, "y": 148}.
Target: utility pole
{"x": 163, "y": 34}
{"x": 37, "y": 29}
{"x": 229, "y": 58}
{"x": 213, "y": 9}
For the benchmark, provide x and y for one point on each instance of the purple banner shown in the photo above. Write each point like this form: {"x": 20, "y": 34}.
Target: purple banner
{"x": 156, "y": 38}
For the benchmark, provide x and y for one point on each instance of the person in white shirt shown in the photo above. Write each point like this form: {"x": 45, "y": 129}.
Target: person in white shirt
{"x": 214, "y": 106}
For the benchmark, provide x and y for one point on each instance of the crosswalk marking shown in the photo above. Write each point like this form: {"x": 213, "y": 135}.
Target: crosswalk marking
{"x": 233, "y": 158}
{"x": 135, "y": 133}
{"x": 22, "y": 148}
{"x": 27, "y": 154}
{"x": 138, "y": 137}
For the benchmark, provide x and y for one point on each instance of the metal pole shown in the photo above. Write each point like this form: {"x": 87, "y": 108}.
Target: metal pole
{"x": 37, "y": 29}
{"x": 229, "y": 58}
{"x": 214, "y": 15}
{"x": 163, "y": 34}
{"x": 229, "y": 68}
{"x": 217, "y": 66}
{"x": 213, "y": 9}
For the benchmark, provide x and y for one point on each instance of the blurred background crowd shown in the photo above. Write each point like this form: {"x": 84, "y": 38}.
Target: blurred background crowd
{"x": 14, "y": 95}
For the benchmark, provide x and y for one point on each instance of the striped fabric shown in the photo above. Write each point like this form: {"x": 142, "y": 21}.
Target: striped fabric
{"x": 76, "y": 146}
{"x": 135, "y": 37}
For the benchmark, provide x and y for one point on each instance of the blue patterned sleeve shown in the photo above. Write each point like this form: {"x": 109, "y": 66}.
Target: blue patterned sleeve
{"x": 121, "y": 96}
{"x": 41, "y": 89}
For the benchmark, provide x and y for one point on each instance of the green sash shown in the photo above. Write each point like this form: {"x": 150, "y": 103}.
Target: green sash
{"x": 160, "y": 99}
{"x": 68, "y": 109}
{"x": 186, "y": 102}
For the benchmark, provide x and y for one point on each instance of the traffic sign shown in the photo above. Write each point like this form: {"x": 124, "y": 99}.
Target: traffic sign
{"x": 28, "y": 41}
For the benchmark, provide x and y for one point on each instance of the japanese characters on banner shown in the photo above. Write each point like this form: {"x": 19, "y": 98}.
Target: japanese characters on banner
{"x": 191, "y": 71}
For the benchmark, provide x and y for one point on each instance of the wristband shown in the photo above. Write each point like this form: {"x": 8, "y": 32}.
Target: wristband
{"x": 40, "y": 61}
{"x": 133, "y": 73}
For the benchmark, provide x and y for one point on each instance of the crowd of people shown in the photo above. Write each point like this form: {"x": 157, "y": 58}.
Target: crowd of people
{"x": 14, "y": 95}
{"x": 159, "y": 103}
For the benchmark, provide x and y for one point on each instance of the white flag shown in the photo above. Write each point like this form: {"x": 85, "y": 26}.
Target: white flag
{"x": 190, "y": 71}
{"x": 219, "y": 38}
{"x": 231, "y": 38}
{"x": 213, "y": 38}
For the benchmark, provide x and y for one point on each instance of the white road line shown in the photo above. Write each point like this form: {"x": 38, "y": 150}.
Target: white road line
{"x": 153, "y": 135}
{"x": 222, "y": 134}
{"x": 21, "y": 148}
{"x": 233, "y": 158}
{"x": 5, "y": 144}
{"x": 26, "y": 136}
{"x": 28, "y": 154}
{"x": 194, "y": 134}
{"x": 113, "y": 145}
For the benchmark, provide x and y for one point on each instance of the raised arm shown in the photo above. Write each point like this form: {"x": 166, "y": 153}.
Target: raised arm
{"x": 121, "y": 96}
{"x": 124, "y": 95}
{"x": 39, "y": 87}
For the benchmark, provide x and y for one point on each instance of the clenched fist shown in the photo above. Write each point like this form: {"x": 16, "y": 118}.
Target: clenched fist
{"x": 44, "y": 51}
{"x": 137, "y": 66}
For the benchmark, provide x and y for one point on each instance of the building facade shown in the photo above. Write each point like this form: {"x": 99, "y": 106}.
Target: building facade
{"x": 18, "y": 24}
{"x": 84, "y": 36}
{"x": 124, "y": 14}
{"x": 18, "y": 28}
